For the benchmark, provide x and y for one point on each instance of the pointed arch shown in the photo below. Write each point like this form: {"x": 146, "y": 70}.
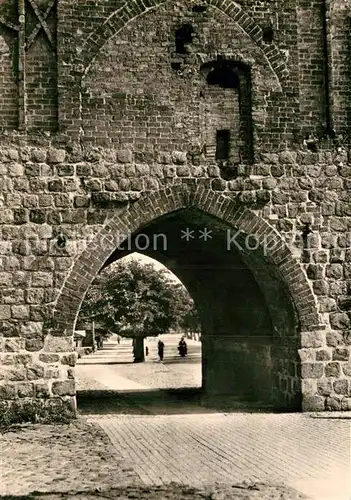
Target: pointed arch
{"x": 163, "y": 202}
{"x": 131, "y": 10}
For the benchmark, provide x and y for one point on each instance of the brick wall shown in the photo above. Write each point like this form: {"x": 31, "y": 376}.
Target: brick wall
{"x": 8, "y": 87}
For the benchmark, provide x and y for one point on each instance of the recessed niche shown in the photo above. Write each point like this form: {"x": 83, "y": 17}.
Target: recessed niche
{"x": 199, "y": 9}
{"x": 227, "y": 124}
{"x": 183, "y": 37}
{"x": 223, "y": 76}
{"x": 222, "y": 144}
{"x": 176, "y": 66}
{"x": 268, "y": 34}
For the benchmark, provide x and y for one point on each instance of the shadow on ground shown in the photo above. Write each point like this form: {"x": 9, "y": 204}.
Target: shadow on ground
{"x": 176, "y": 492}
{"x": 161, "y": 402}
{"x": 168, "y": 361}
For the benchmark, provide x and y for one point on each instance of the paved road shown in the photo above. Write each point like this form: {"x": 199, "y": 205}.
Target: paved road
{"x": 113, "y": 366}
{"x": 307, "y": 452}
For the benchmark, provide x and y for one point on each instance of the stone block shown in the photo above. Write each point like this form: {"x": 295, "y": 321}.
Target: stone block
{"x": 332, "y": 369}
{"x": 277, "y": 171}
{"x": 81, "y": 201}
{"x": 56, "y": 185}
{"x": 333, "y": 404}
{"x": 142, "y": 170}
{"x": 16, "y": 373}
{"x": 5, "y": 312}
{"x": 324, "y": 387}
{"x": 49, "y": 358}
{"x": 35, "y": 372}
{"x": 311, "y": 370}
{"x": 346, "y": 404}
{"x": 327, "y": 304}
{"x": 183, "y": 171}
{"x": 15, "y": 170}
{"x": 20, "y": 312}
{"x": 7, "y": 391}
{"x": 14, "y": 344}
{"x": 65, "y": 388}
{"x": 31, "y": 329}
{"x": 340, "y": 321}
{"x": 65, "y": 170}
{"x": 34, "y": 295}
{"x": 20, "y": 216}
{"x": 125, "y": 156}
{"x": 323, "y": 355}
{"x": 51, "y": 373}
{"x": 218, "y": 185}
{"x": 7, "y": 359}
{"x": 306, "y": 355}
{"x": 69, "y": 359}
{"x": 42, "y": 390}
{"x": 37, "y": 216}
{"x": 341, "y": 387}
{"x": 312, "y": 339}
{"x": 23, "y": 359}
{"x": 346, "y": 367}
{"x": 58, "y": 344}
{"x": 25, "y": 390}
{"x": 334, "y": 339}
{"x": 341, "y": 354}
{"x": 38, "y": 155}
{"x": 164, "y": 157}
{"x": 32, "y": 170}
{"x": 170, "y": 171}
{"x": 334, "y": 271}
{"x": 41, "y": 279}
{"x": 5, "y": 280}
{"x": 313, "y": 403}
{"x": 56, "y": 155}
{"x": 179, "y": 157}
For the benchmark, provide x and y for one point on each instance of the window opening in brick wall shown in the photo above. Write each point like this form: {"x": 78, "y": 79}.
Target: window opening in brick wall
{"x": 227, "y": 116}
{"x": 183, "y": 37}
{"x": 175, "y": 65}
{"x": 268, "y": 34}
{"x": 224, "y": 77}
{"x": 222, "y": 144}
{"x": 198, "y": 9}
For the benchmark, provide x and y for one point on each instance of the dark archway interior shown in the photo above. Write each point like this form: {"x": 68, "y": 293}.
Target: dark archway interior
{"x": 249, "y": 323}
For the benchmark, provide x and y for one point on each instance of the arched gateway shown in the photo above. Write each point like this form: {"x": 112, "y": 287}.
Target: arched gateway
{"x": 255, "y": 303}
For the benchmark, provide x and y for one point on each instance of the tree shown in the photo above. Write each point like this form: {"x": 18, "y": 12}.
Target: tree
{"x": 135, "y": 300}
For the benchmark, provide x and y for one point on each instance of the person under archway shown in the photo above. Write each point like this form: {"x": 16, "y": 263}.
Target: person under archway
{"x": 160, "y": 349}
{"x": 182, "y": 348}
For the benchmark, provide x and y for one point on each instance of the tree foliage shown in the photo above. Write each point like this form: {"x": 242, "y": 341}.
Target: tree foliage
{"x": 137, "y": 300}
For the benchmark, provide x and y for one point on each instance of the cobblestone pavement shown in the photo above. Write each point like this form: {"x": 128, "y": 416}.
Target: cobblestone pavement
{"x": 306, "y": 453}
{"x": 60, "y": 458}
{"x": 185, "y": 456}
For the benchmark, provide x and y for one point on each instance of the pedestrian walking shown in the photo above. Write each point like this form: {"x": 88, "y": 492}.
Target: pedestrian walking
{"x": 160, "y": 349}
{"x": 182, "y": 348}
{"x": 118, "y": 339}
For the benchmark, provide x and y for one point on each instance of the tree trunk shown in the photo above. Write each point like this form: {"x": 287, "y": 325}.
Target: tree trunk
{"x": 138, "y": 350}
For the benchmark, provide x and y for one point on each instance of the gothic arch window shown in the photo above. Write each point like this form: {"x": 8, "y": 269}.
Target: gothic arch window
{"x": 227, "y": 125}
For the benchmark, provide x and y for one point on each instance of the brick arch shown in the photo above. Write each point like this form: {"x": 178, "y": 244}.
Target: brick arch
{"x": 128, "y": 12}
{"x": 159, "y": 203}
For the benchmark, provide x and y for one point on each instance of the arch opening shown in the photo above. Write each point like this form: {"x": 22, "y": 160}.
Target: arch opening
{"x": 137, "y": 335}
{"x": 249, "y": 322}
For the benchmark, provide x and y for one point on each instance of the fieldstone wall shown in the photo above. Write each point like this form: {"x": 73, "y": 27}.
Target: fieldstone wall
{"x": 47, "y": 193}
{"x": 110, "y": 116}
